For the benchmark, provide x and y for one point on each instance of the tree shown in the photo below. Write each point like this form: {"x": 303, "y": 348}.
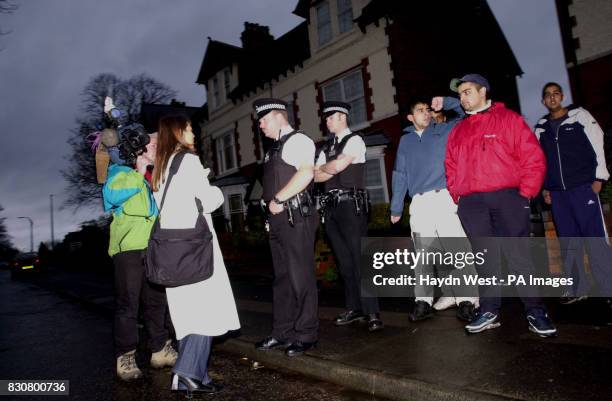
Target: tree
{"x": 7, "y": 250}
{"x": 129, "y": 95}
{"x": 6, "y": 8}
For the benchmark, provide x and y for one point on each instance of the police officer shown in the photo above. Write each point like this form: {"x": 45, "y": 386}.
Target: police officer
{"x": 341, "y": 167}
{"x": 287, "y": 182}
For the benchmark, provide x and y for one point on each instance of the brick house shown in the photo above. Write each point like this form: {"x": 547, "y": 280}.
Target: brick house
{"x": 377, "y": 55}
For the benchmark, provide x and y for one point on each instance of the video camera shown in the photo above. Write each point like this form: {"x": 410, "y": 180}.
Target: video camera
{"x": 129, "y": 139}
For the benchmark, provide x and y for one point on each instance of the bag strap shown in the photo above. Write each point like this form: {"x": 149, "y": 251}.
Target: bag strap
{"x": 174, "y": 166}
{"x": 199, "y": 206}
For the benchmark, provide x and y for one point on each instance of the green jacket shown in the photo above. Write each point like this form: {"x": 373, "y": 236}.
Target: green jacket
{"x": 127, "y": 194}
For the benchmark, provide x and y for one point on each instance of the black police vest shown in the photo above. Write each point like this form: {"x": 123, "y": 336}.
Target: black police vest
{"x": 277, "y": 172}
{"x": 351, "y": 177}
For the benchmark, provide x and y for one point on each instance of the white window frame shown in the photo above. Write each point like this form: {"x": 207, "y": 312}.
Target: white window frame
{"x": 228, "y": 192}
{"x": 215, "y": 92}
{"x": 329, "y": 23}
{"x": 220, "y": 152}
{"x": 355, "y": 125}
{"x": 378, "y": 153}
{"x": 291, "y": 109}
{"x": 227, "y": 82}
{"x": 229, "y": 208}
{"x": 342, "y": 13}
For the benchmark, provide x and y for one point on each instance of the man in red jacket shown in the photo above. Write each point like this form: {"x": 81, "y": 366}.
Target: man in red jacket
{"x": 494, "y": 167}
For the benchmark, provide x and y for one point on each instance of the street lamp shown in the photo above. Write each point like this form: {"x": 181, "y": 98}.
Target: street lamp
{"x": 31, "y": 231}
{"x": 52, "y": 230}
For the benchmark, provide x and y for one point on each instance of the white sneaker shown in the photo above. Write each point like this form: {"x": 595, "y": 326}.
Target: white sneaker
{"x": 164, "y": 357}
{"x": 127, "y": 369}
{"x": 444, "y": 303}
{"x": 174, "y": 386}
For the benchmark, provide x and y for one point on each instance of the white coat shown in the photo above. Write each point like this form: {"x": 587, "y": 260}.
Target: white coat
{"x": 208, "y": 307}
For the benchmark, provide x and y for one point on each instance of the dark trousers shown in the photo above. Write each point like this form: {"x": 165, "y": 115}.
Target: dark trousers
{"x": 579, "y": 222}
{"x": 345, "y": 230}
{"x": 502, "y": 213}
{"x": 193, "y": 354}
{"x": 132, "y": 287}
{"x": 295, "y": 301}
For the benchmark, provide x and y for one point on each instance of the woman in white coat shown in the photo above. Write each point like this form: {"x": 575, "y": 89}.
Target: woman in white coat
{"x": 202, "y": 310}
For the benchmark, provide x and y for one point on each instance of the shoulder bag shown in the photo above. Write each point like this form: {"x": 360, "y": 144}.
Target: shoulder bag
{"x": 179, "y": 256}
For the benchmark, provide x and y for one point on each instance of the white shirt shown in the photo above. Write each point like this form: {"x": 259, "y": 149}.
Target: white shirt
{"x": 486, "y": 106}
{"x": 355, "y": 147}
{"x": 298, "y": 150}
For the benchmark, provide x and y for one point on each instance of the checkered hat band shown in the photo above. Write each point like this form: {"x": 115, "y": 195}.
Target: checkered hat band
{"x": 270, "y": 106}
{"x": 335, "y": 108}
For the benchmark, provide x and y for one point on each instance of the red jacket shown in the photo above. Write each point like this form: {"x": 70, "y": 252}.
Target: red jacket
{"x": 493, "y": 150}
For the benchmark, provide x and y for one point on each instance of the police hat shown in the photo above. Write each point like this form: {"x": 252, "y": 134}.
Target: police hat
{"x": 264, "y": 106}
{"x": 332, "y": 107}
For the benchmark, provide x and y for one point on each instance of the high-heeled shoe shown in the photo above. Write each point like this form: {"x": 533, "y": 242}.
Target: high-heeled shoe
{"x": 191, "y": 386}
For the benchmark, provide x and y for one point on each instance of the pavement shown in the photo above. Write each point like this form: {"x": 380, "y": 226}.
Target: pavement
{"x": 430, "y": 360}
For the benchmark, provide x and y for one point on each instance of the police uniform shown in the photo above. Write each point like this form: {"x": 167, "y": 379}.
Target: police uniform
{"x": 346, "y": 220}
{"x": 295, "y": 298}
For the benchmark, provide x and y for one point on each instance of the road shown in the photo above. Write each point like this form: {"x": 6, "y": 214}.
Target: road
{"x": 46, "y": 336}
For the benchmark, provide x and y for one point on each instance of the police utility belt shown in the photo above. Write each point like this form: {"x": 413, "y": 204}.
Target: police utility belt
{"x": 302, "y": 203}
{"x": 331, "y": 199}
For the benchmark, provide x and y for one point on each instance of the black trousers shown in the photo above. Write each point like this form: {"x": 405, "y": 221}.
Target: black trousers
{"x": 295, "y": 301}
{"x": 132, "y": 287}
{"x": 345, "y": 230}
{"x": 503, "y": 213}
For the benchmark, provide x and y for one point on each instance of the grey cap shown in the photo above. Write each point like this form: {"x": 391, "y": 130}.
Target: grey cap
{"x": 474, "y": 78}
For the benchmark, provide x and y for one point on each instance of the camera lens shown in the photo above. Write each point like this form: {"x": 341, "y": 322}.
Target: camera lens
{"x": 115, "y": 113}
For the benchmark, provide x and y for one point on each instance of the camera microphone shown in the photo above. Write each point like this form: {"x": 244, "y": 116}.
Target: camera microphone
{"x": 109, "y": 137}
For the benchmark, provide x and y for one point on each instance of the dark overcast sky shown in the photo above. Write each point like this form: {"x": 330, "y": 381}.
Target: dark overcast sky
{"x": 56, "y": 46}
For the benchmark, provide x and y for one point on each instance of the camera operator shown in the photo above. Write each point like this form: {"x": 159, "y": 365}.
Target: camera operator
{"x": 128, "y": 196}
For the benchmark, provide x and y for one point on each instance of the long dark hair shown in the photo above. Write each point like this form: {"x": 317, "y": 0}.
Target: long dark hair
{"x": 169, "y": 141}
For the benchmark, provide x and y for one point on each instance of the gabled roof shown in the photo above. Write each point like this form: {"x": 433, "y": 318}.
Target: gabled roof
{"x": 445, "y": 15}
{"x": 218, "y": 56}
{"x": 255, "y": 70}
{"x": 302, "y": 9}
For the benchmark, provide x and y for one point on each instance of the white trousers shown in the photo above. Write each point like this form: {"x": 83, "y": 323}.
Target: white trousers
{"x": 433, "y": 217}
{"x": 434, "y": 214}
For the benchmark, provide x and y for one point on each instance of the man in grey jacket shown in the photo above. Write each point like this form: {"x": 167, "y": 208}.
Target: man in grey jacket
{"x": 419, "y": 171}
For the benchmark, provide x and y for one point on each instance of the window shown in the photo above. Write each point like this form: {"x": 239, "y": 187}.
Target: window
{"x": 345, "y": 15}
{"x": 349, "y": 89}
{"x": 216, "y": 98}
{"x": 291, "y": 112}
{"x": 236, "y": 210}
{"x": 375, "y": 182}
{"x": 227, "y": 76}
{"x": 219, "y": 220}
{"x": 324, "y": 28}
{"x": 226, "y": 152}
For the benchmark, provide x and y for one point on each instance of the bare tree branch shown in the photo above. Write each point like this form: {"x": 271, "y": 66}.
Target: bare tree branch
{"x": 6, "y": 245}
{"x": 128, "y": 95}
{"x": 6, "y": 8}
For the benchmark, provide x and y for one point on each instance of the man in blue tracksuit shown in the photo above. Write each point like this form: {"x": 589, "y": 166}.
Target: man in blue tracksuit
{"x": 419, "y": 171}
{"x": 575, "y": 171}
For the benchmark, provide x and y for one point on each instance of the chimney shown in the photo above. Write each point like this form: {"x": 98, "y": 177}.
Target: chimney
{"x": 255, "y": 36}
